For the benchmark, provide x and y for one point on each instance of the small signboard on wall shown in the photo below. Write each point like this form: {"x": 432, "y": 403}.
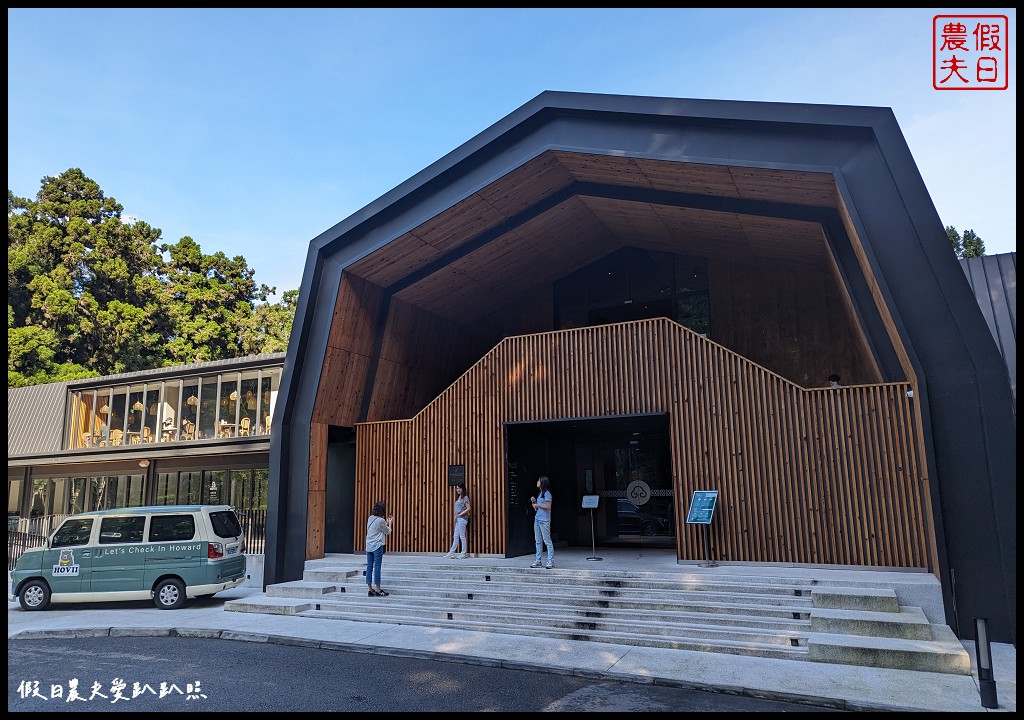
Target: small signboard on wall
{"x": 456, "y": 475}
{"x": 590, "y": 501}
{"x": 702, "y": 507}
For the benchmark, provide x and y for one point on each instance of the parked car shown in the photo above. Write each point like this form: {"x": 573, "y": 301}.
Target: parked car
{"x": 165, "y": 553}
{"x": 643, "y": 520}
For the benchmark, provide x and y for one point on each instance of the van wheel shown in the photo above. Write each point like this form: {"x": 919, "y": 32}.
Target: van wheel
{"x": 34, "y": 595}
{"x": 169, "y": 594}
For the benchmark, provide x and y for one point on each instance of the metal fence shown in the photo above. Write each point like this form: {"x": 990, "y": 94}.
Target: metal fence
{"x": 27, "y": 533}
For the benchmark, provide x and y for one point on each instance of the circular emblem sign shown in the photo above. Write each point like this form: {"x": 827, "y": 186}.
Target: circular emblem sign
{"x": 638, "y": 492}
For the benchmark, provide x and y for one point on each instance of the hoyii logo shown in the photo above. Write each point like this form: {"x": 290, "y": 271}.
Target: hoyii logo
{"x": 66, "y": 565}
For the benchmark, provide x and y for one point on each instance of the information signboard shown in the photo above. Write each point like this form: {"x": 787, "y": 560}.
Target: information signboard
{"x": 702, "y": 507}
{"x": 590, "y": 501}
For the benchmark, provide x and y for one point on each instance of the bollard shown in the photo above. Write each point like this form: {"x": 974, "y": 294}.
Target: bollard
{"x": 983, "y": 653}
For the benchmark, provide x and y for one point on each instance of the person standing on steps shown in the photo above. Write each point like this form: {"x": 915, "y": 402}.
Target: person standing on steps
{"x": 377, "y": 531}
{"x": 542, "y": 521}
{"x": 462, "y": 509}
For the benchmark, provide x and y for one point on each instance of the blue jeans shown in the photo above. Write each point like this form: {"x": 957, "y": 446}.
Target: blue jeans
{"x": 459, "y": 535}
{"x": 542, "y": 533}
{"x": 373, "y": 561}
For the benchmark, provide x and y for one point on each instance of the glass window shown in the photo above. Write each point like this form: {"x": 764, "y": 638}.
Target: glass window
{"x": 229, "y": 402}
{"x": 72, "y": 532}
{"x": 59, "y": 503}
{"x": 122, "y": 530}
{"x": 151, "y": 402}
{"x": 13, "y": 503}
{"x": 103, "y": 492}
{"x": 166, "y": 488}
{"x": 167, "y": 528}
{"x": 225, "y": 524}
{"x": 136, "y": 414}
{"x": 76, "y": 496}
{"x": 215, "y": 487}
{"x": 633, "y": 284}
{"x": 241, "y": 489}
{"x": 189, "y": 488}
{"x": 190, "y": 411}
{"x": 261, "y": 483}
{"x": 208, "y": 406}
{"x": 39, "y": 504}
{"x": 119, "y": 413}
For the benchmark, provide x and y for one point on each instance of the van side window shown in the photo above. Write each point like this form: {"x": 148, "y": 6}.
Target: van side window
{"x": 225, "y": 524}
{"x": 122, "y": 529}
{"x": 166, "y": 528}
{"x": 73, "y": 532}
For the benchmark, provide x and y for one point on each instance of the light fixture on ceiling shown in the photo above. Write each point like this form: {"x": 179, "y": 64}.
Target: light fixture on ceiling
{"x": 105, "y": 409}
{"x": 153, "y": 409}
{"x": 192, "y": 400}
{"x": 233, "y": 395}
{"x": 138, "y": 406}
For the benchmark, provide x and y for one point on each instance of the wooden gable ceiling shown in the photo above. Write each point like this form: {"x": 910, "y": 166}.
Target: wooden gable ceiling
{"x": 464, "y": 274}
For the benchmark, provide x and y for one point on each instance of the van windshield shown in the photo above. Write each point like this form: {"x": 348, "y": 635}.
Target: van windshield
{"x": 225, "y": 524}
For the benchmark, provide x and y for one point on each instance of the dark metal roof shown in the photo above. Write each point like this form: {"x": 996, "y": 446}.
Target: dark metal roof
{"x": 35, "y": 413}
{"x": 994, "y": 281}
{"x": 209, "y": 366}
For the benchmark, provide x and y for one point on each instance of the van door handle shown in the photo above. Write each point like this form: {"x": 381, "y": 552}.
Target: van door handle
{"x": 86, "y": 553}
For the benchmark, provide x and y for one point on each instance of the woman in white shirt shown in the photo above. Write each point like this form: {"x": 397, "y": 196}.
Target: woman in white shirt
{"x": 377, "y": 531}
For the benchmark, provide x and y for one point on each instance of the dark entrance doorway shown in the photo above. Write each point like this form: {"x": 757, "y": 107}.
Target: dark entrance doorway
{"x": 624, "y": 460}
{"x": 340, "y": 511}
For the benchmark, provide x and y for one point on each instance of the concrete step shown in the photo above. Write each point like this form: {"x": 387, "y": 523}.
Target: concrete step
{"x": 678, "y": 642}
{"x": 909, "y": 623}
{"x": 570, "y": 578}
{"x": 714, "y": 607}
{"x": 940, "y": 656}
{"x": 779, "y": 605}
{"x": 872, "y": 599}
{"x": 667, "y": 623}
{"x": 766, "y": 615}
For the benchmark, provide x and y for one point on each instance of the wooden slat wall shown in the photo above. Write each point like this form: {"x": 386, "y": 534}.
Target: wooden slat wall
{"x": 805, "y": 476}
{"x": 316, "y": 506}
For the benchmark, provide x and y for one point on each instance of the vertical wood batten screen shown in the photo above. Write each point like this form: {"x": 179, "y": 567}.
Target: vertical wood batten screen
{"x": 805, "y": 476}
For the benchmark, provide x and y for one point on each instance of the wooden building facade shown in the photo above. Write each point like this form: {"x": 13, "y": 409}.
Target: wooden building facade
{"x": 622, "y": 293}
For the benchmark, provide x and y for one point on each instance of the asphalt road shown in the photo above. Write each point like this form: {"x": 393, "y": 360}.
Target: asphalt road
{"x": 171, "y": 674}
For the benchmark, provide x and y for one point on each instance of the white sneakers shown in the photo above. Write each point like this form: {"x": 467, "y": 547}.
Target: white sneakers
{"x": 453, "y": 556}
{"x": 461, "y": 556}
{"x": 449, "y": 556}
{"x": 535, "y": 565}
{"x": 548, "y": 566}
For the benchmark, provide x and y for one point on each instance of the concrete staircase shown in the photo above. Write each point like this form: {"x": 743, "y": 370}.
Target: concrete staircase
{"x": 758, "y": 615}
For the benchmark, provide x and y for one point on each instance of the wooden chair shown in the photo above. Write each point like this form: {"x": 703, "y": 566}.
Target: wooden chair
{"x": 190, "y": 431}
{"x": 116, "y": 437}
{"x": 147, "y": 434}
{"x": 243, "y": 427}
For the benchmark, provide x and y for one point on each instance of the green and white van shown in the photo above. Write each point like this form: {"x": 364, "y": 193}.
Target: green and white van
{"x": 167, "y": 553}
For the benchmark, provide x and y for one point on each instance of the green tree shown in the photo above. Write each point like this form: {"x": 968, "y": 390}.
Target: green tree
{"x": 970, "y": 245}
{"x": 211, "y": 300}
{"x": 92, "y": 294}
{"x": 270, "y": 325}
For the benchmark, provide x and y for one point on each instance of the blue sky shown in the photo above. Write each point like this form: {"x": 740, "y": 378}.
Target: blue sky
{"x": 255, "y": 130}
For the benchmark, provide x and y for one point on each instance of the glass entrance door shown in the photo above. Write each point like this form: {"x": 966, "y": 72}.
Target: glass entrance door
{"x": 636, "y": 494}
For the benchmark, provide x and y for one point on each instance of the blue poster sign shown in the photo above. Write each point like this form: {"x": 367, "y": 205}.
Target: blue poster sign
{"x": 702, "y": 507}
